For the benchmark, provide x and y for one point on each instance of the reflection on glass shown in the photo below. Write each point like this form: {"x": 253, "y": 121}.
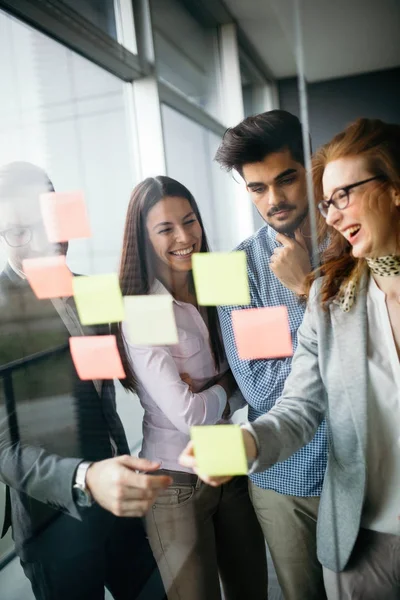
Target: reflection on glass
{"x": 99, "y": 12}
{"x": 69, "y": 115}
{"x": 186, "y": 56}
{"x": 190, "y": 151}
{"x": 66, "y": 118}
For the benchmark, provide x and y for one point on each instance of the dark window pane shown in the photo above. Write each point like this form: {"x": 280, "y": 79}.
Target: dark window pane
{"x": 99, "y": 12}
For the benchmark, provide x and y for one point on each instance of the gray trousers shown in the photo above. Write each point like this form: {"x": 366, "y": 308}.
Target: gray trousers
{"x": 203, "y": 536}
{"x": 373, "y": 571}
{"x": 289, "y": 524}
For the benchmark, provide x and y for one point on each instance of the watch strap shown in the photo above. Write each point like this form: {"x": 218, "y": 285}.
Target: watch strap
{"x": 80, "y": 474}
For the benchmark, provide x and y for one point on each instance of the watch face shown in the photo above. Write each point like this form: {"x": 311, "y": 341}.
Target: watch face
{"x": 82, "y": 498}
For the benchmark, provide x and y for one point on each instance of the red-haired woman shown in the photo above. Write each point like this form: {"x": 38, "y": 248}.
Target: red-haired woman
{"x": 198, "y": 534}
{"x": 347, "y": 369}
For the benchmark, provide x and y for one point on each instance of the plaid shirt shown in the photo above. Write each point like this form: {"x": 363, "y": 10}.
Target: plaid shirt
{"x": 261, "y": 381}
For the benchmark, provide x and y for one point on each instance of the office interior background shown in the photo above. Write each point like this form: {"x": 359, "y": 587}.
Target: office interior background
{"x": 103, "y": 93}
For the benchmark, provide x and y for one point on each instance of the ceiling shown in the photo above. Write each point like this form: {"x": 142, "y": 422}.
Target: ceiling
{"x": 340, "y": 37}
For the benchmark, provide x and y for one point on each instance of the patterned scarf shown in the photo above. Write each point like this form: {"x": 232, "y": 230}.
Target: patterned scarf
{"x": 385, "y": 266}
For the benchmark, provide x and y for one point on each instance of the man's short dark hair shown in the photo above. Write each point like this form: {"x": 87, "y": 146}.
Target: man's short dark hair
{"x": 17, "y": 176}
{"x": 257, "y": 136}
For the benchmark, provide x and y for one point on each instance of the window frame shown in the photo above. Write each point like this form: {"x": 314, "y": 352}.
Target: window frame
{"x": 63, "y": 24}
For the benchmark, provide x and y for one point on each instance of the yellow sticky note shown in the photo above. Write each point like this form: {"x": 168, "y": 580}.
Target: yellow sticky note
{"x": 221, "y": 278}
{"x": 151, "y": 320}
{"x": 219, "y": 449}
{"x": 98, "y": 299}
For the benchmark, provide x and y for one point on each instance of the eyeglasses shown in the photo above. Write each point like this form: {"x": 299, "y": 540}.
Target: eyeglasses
{"x": 341, "y": 197}
{"x": 17, "y": 236}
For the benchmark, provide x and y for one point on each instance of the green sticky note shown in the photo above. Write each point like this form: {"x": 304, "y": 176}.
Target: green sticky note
{"x": 219, "y": 449}
{"x": 98, "y": 299}
{"x": 221, "y": 278}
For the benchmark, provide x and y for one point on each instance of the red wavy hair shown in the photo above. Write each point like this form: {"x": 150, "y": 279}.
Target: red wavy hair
{"x": 379, "y": 144}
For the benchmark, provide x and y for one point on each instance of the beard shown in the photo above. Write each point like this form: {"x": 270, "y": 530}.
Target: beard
{"x": 290, "y": 228}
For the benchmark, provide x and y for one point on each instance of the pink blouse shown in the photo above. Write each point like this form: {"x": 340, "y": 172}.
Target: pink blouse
{"x": 170, "y": 408}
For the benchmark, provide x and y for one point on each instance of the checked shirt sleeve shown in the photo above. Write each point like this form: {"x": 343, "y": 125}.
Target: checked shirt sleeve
{"x": 261, "y": 380}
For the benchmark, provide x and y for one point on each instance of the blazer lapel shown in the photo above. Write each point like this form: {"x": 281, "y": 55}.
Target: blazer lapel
{"x": 350, "y": 332}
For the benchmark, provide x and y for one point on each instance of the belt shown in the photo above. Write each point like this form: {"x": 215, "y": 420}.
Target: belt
{"x": 179, "y": 477}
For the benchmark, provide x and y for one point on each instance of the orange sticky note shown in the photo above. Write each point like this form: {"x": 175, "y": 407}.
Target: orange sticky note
{"x": 49, "y": 277}
{"x": 64, "y": 216}
{"x": 262, "y": 332}
{"x": 96, "y": 357}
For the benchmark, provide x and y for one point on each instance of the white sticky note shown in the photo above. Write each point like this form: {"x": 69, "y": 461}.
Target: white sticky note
{"x": 150, "y": 320}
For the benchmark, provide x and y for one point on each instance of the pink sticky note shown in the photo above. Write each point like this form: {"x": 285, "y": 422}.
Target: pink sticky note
{"x": 64, "y": 216}
{"x": 96, "y": 357}
{"x": 262, "y": 332}
{"x": 49, "y": 277}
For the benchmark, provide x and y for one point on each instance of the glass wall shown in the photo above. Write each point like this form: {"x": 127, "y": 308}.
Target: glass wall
{"x": 190, "y": 150}
{"x": 100, "y": 13}
{"x": 68, "y": 116}
{"x": 83, "y": 126}
{"x": 186, "y": 54}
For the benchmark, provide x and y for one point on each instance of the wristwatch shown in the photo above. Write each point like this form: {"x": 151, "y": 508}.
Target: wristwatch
{"x": 81, "y": 493}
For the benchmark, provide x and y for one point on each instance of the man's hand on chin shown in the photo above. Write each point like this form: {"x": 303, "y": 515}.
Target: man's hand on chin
{"x": 290, "y": 262}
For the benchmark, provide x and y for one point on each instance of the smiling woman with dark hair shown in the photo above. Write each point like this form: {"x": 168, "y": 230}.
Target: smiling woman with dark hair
{"x": 197, "y": 533}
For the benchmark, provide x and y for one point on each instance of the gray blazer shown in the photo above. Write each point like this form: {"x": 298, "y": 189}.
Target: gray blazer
{"x": 328, "y": 379}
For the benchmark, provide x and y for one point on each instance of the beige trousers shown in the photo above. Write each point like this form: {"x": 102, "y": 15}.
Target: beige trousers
{"x": 203, "y": 536}
{"x": 289, "y": 525}
{"x": 373, "y": 571}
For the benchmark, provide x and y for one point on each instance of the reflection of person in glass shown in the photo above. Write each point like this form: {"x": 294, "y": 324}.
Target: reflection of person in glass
{"x": 60, "y": 436}
{"x": 347, "y": 367}
{"x": 197, "y": 534}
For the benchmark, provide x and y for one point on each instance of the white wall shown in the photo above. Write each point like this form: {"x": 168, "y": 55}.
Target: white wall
{"x": 190, "y": 151}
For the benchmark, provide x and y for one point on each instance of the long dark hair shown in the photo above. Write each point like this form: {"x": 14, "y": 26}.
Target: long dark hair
{"x": 137, "y": 273}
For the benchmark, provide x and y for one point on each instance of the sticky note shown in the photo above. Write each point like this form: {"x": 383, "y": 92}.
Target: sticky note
{"x": 262, "y": 332}
{"x": 221, "y": 278}
{"x": 219, "y": 449}
{"x": 150, "y": 320}
{"x": 49, "y": 277}
{"x": 98, "y": 299}
{"x": 96, "y": 357}
{"x": 64, "y": 216}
